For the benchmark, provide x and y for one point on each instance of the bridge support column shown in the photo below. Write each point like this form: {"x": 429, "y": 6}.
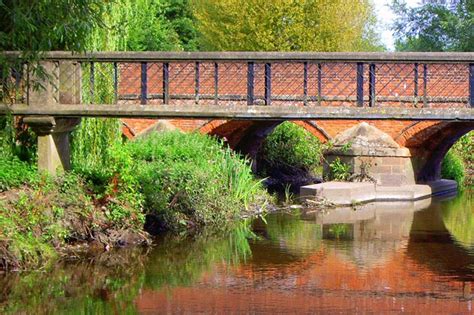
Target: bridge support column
{"x": 60, "y": 84}
{"x": 371, "y": 155}
{"x": 54, "y": 153}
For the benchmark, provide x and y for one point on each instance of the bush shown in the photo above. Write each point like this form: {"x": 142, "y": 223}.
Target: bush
{"x": 14, "y": 173}
{"x": 191, "y": 180}
{"x": 452, "y": 167}
{"x": 41, "y": 219}
{"x": 293, "y": 145}
{"x": 464, "y": 148}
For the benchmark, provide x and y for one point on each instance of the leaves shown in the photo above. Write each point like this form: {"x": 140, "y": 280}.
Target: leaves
{"x": 434, "y": 26}
{"x": 285, "y": 25}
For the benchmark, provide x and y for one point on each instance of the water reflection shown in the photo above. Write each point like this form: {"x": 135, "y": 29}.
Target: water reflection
{"x": 412, "y": 257}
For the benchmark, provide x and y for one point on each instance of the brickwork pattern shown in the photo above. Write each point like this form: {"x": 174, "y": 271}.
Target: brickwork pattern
{"x": 295, "y": 84}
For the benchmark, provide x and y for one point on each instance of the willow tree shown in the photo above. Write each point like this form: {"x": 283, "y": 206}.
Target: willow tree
{"x": 286, "y": 25}
{"x": 127, "y": 25}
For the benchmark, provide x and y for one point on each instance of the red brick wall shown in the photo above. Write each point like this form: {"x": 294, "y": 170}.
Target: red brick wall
{"x": 338, "y": 80}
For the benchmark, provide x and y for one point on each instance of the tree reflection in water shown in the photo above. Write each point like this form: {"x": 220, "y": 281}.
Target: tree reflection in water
{"x": 381, "y": 257}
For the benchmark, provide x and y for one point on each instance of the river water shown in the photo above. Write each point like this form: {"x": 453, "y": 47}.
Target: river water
{"x": 408, "y": 257}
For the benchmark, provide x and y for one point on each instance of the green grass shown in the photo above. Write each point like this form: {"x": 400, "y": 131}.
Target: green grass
{"x": 191, "y": 180}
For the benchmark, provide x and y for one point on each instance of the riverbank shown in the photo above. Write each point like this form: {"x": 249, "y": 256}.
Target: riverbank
{"x": 164, "y": 182}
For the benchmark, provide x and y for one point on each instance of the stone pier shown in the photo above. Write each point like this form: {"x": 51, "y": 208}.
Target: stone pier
{"x": 59, "y": 84}
{"x": 380, "y": 170}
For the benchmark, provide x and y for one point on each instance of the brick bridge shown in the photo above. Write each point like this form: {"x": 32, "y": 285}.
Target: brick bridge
{"x": 423, "y": 101}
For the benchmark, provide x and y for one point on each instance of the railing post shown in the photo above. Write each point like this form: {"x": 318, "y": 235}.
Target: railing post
{"x": 143, "y": 85}
{"x": 62, "y": 85}
{"x": 360, "y": 84}
{"x": 415, "y": 83}
{"x": 216, "y": 83}
{"x": 196, "y": 82}
{"x": 268, "y": 83}
{"x": 250, "y": 83}
{"x": 166, "y": 92}
{"x": 320, "y": 83}
{"x": 471, "y": 84}
{"x": 425, "y": 85}
{"x": 92, "y": 82}
{"x": 372, "y": 85}
{"x": 305, "y": 83}
{"x": 116, "y": 94}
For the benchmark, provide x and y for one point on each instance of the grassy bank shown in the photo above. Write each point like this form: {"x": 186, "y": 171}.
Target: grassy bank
{"x": 173, "y": 181}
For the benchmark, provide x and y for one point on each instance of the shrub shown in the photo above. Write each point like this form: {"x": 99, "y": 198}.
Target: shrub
{"x": 452, "y": 167}
{"x": 41, "y": 218}
{"x": 339, "y": 170}
{"x": 192, "y": 180}
{"x": 14, "y": 173}
{"x": 464, "y": 148}
{"x": 293, "y": 145}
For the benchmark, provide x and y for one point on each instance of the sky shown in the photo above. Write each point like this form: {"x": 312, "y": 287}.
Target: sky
{"x": 385, "y": 18}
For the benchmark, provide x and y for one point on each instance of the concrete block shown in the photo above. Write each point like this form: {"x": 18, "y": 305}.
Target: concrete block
{"x": 340, "y": 193}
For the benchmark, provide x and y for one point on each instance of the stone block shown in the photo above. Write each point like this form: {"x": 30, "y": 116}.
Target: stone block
{"x": 391, "y": 180}
{"x": 340, "y": 193}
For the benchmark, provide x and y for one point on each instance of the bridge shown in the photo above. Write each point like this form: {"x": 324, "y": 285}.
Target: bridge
{"x": 423, "y": 101}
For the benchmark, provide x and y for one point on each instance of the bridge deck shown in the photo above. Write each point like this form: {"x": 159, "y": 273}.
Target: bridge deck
{"x": 244, "y": 112}
{"x": 245, "y": 85}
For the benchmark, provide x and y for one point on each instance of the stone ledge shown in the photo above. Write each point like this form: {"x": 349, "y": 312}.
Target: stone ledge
{"x": 347, "y": 193}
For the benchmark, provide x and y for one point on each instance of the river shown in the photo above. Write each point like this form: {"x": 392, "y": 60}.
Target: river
{"x": 406, "y": 257}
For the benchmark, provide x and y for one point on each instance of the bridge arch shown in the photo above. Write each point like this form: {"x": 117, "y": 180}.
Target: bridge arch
{"x": 246, "y": 136}
{"x": 428, "y": 142}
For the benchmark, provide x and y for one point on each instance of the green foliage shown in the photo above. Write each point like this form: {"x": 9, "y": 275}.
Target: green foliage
{"x": 135, "y": 25}
{"x": 14, "y": 173}
{"x": 464, "y": 148}
{"x": 43, "y": 25}
{"x": 162, "y": 25}
{"x": 287, "y": 25}
{"x": 339, "y": 170}
{"x": 452, "y": 167}
{"x": 434, "y": 26}
{"x": 191, "y": 180}
{"x": 33, "y": 27}
{"x": 47, "y": 215}
{"x": 32, "y": 220}
{"x": 293, "y": 145}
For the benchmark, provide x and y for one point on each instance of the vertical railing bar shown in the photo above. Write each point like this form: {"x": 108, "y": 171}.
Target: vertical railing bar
{"x": 16, "y": 75}
{"x": 471, "y": 84}
{"x": 425, "y": 85}
{"x": 320, "y": 83}
{"x": 144, "y": 83}
{"x": 116, "y": 82}
{"x": 268, "y": 83}
{"x": 92, "y": 81}
{"x": 166, "y": 94}
{"x": 196, "y": 82}
{"x": 360, "y": 84}
{"x": 27, "y": 83}
{"x": 305, "y": 83}
{"x": 415, "y": 83}
{"x": 250, "y": 83}
{"x": 372, "y": 97}
{"x": 216, "y": 83}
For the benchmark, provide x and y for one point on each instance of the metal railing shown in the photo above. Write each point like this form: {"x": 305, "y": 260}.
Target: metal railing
{"x": 397, "y": 80}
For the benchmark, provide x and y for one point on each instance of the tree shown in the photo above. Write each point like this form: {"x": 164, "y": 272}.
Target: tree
{"x": 33, "y": 27}
{"x": 286, "y": 25}
{"x": 434, "y": 26}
